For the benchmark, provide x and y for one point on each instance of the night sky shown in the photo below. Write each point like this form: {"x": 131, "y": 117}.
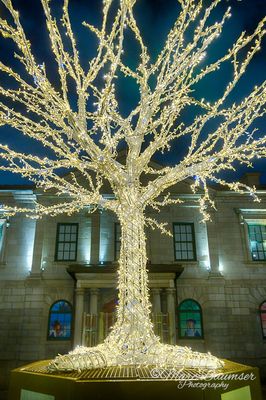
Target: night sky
{"x": 155, "y": 18}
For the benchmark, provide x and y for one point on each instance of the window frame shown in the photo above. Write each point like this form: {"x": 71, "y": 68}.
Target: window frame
{"x": 54, "y": 312}
{"x": 193, "y": 242}
{"x": 249, "y": 224}
{"x": 262, "y": 312}
{"x": 190, "y": 311}
{"x": 59, "y": 224}
{"x": 248, "y": 216}
{"x": 4, "y": 222}
{"x": 116, "y": 224}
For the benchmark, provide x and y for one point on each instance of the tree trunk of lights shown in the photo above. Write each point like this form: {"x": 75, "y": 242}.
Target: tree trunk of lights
{"x": 133, "y": 332}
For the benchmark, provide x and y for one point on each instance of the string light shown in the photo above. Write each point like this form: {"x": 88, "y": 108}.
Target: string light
{"x": 43, "y": 113}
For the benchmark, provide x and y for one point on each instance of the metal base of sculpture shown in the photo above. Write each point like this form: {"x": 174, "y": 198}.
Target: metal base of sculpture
{"x": 232, "y": 381}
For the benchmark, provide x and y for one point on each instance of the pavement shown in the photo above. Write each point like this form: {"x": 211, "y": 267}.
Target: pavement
{"x": 4, "y": 394}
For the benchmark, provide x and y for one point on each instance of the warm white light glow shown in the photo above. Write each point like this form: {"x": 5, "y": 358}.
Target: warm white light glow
{"x": 166, "y": 88}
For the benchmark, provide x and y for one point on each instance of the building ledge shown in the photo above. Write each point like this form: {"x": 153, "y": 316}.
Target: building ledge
{"x": 111, "y": 268}
{"x": 259, "y": 263}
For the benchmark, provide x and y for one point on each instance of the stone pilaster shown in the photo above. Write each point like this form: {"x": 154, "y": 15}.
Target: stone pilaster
{"x": 171, "y": 309}
{"x": 37, "y": 249}
{"x": 95, "y": 237}
{"x": 213, "y": 243}
{"x": 156, "y": 300}
{"x": 79, "y": 310}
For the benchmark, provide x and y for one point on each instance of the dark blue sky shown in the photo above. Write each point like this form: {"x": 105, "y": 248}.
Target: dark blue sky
{"x": 155, "y": 18}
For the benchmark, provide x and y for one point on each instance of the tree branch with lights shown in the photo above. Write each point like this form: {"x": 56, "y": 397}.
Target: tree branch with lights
{"x": 85, "y": 138}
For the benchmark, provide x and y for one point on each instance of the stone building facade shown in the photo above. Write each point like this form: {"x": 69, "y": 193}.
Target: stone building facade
{"x": 207, "y": 283}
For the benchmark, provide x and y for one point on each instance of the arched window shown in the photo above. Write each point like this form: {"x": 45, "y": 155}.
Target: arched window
{"x": 263, "y": 318}
{"x": 190, "y": 320}
{"x": 60, "y": 321}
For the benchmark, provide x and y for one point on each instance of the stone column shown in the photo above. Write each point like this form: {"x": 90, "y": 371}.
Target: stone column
{"x": 98, "y": 335}
{"x": 156, "y": 300}
{"x": 213, "y": 244}
{"x": 79, "y": 310}
{"x": 94, "y": 301}
{"x": 95, "y": 237}
{"x": 171, "y": 309}
{"x": 37, "y": 249}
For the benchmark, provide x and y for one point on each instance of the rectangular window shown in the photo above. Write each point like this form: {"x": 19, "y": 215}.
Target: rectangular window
{"x": 184, "y": 242}
{"x": 66, "y": 242}
{"x": 117, "y": 240}
{"x": 4, "y": 224}
{"x": 257, "y": 242}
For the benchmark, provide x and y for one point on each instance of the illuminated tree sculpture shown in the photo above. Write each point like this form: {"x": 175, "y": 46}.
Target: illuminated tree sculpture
{"x": 86, "y": 138}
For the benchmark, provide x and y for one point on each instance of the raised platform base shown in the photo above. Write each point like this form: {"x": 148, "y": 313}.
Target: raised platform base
{"x": 236, "y": 382}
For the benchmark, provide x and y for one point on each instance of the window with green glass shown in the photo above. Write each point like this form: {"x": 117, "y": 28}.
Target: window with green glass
{"x": 117, "y": 240}
{"x": 257, "y": 241}
{"x": 2, "y": 233}
{"x": 263, "y": 318}
{"x": 184, "y": 241}
{"x": 66, "y": 242}
{"x": 190, "y": 320}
